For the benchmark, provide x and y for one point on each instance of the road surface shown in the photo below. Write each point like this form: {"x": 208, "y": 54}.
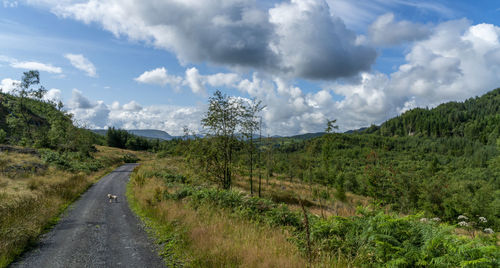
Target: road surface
{"x": 96, "y": 233}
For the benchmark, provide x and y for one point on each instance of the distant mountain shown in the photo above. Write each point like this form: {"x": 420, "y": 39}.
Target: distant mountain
{"x": 146, "y": 133}
{"x": 359, "y": 130}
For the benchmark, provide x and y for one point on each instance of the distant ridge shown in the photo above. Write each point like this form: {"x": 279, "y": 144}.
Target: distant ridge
{"x": 307, "y": 136}
{"x": 359, "y": 130}
{"x": 146, "y": 133}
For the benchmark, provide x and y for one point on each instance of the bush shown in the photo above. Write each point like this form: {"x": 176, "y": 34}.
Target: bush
{"x": 130, "y": 158}
{"x": 71, "y": 161}
{"x": 3, "y": 136}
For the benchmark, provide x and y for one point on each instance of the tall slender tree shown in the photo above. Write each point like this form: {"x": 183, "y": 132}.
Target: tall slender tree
{"x": 222, "y": 120}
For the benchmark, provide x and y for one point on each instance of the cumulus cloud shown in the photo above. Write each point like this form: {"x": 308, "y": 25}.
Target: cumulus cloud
{"x": 8, "y": 85}
{"x": 192, "y": 79}
{"x": 78, "y": 101}
{"x": 53, "y": 95}
{"x": 387, "y": 32}
{"x": 159, "y": 76}
{"x": 314, "y": 44}
{"x": 132, "y": 106}
{"x": 457, "y": 61}
{"x": 132, "y": 115}
{"x": 298, "y": 38}
{"x": 88, "y": 113}
{"x": 81, "y": 63}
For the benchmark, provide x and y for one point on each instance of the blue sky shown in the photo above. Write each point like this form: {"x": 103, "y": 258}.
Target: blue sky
{"x": 153, "y": 64}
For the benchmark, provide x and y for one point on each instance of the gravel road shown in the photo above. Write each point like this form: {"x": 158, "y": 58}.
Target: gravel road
{"x": 96, "y": 233}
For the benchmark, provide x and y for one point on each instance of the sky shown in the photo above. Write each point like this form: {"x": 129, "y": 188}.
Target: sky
{"x": 151, "y": 64}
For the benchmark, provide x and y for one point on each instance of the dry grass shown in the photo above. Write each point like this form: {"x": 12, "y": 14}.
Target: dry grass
{"x": 281, "y": 190}
{"x": 214, "y": 237}
{"x": 30, "y": 202}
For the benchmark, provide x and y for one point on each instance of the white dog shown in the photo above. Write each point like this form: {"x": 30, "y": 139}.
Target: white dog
{"x": 112, "y": 197}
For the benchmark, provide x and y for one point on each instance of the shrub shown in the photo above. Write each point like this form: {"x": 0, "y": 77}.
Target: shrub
{"x": 130, "y": 158}
{"x": 3, "y": 136}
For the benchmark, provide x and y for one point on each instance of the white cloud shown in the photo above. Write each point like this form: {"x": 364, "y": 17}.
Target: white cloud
{"x": 159, "y": 76}
{"x": 193, "y": 80}
{"x": 81, "y": 63}
{"x": 222, "y": 79}
{"x": 53, "y": 95}
{"x": 170, "y": 118}
{"x": 11, "y": 4}
{"x": 33, "y": 65}
{"x": 197, "y": 82}
{"x": 386, "y": 32}
{"x": 132, "y": 106}
{"x": 8, "y": 85}
{"x": 298, "y": 38}
{"x": 30, "y": 65}
{"x": 78, "y": 101}
{"x": 457, "y": 61}
{"x": 88, "y": 113}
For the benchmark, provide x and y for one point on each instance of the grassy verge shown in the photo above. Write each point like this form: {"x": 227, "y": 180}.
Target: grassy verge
{"x": 214, "y": 221}
{"x": 206, "y": 236}
{"x": 33, "y": 194}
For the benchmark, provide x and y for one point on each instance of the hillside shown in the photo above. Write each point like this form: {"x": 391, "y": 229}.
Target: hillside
{"x": 36, "y": 123}
{"x": 476, "y": 118}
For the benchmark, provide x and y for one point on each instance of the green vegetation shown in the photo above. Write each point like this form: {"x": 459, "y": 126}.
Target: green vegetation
{"x": 372, "y": 237}
{"x": 38, "y": 183}
{"x": 476, "y": 119}
{"x": 28, "y": 120}
{"x": 419, "y": 185}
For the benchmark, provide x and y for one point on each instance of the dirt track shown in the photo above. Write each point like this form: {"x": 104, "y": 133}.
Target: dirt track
{"x": 96, "y": 233}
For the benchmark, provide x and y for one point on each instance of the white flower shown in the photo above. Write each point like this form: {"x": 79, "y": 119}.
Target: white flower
{"x": 463, "y": 223}
{"x": 462, "y": 217}
{"x": 423, "y": 220}
{"x": 436, "y": 219}
{"x": 482, "y": 219}
{"x": 488, "y": 230}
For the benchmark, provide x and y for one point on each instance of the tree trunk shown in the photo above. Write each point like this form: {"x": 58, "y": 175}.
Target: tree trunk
{"x": 251, "y": 163}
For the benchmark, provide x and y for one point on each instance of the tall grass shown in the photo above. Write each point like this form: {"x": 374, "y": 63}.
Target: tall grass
{"x": 30, "y": 202}
{"x": 371, "y": 238}
{"x": 206, "y": 236}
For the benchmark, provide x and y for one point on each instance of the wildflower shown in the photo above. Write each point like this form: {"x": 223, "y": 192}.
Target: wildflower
{"x": 436, "y": 219}
{"x": 462, "y": 217}
{"x": 488, "y": 230}
{"x": 482, "y": 219}
{"x": 423, "y": 220}
{"x": 463, "y": 223}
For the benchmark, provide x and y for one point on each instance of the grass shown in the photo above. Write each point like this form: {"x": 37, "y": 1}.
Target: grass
{"x": 204, "y": 227}
{"x": 281, "y": 189}
{"x": 30, "y": 202}
{"x": 206, "y": 236}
